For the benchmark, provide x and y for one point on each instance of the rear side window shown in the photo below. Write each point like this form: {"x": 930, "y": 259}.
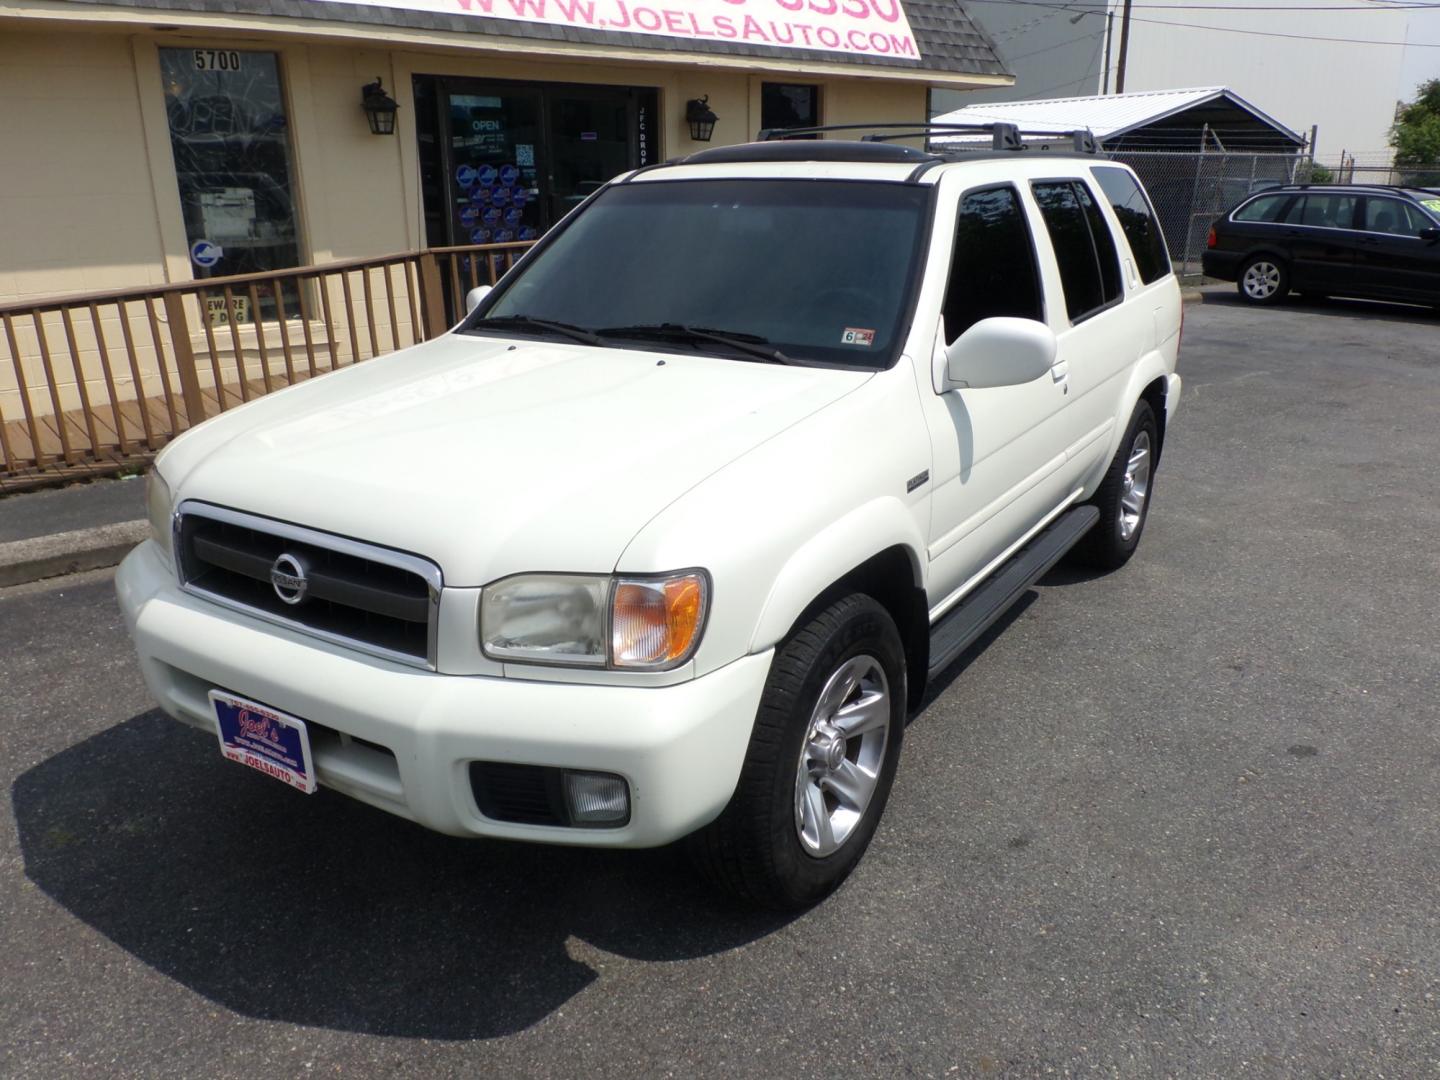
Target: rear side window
{"x": 1323, "y": 211}
{"x": 1089, "y": 269}
{"x": 1394, "y": 217}
{"x": 1137, "y": 221}
{"x": 1265, "y": 208}
{"x": 993, "y": 271}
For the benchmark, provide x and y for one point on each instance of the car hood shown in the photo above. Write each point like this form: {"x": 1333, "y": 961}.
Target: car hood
{"x": 495, "y": 456}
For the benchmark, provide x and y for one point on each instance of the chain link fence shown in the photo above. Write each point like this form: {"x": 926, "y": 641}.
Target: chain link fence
{"x": 1191, "y": 189}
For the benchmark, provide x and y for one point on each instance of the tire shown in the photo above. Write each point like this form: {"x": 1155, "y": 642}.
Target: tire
{"x": 769, "y": 846}
{"x": 1263, "y": 279}
{"x": 1124, "y": 507}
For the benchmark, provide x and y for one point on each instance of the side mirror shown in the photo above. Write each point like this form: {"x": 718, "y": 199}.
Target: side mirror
{"x": 999, "y": 352}
{"x": 1430, "y": 233}
{"x": 474, "y": 296}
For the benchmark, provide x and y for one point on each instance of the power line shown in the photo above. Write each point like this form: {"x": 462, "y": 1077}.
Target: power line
{"x": 1236, "y": 30}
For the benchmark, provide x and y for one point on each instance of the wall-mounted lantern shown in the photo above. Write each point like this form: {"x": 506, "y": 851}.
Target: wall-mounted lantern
{"x": 379, "y": 108}
{"x": 700, "y": 118}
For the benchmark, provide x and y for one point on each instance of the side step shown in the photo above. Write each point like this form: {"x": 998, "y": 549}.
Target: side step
{"x": 959, "y": 628}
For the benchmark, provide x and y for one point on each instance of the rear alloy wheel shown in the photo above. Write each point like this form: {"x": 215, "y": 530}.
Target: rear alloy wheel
{"x": 1124, "y": 495}
{"x": 1263, "y": 280}
{"x": 820, "y": 763}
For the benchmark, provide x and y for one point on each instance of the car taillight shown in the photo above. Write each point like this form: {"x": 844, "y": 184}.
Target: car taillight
{"x": 1210, "y": 240}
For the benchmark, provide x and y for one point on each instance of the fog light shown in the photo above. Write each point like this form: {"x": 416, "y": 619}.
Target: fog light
{"x": 597, "y": 798}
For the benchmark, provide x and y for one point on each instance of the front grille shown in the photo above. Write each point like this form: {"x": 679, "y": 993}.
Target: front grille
{"x": 378, "y": 600}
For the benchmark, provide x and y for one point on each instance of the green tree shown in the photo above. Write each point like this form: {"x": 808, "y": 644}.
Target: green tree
{"x": 1416, "y": 134}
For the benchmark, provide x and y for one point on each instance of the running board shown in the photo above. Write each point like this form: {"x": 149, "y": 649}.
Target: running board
{"x": 959, "y": 628}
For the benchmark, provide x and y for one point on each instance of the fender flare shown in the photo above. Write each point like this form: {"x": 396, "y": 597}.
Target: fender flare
{"x": 1147, "y": 369}
{"x": 832, "y": 553}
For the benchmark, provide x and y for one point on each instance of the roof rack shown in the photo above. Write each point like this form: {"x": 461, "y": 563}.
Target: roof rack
{"x": 1002, "y": 136}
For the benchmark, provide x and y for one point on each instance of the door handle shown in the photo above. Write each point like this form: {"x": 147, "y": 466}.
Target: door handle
{"x": 1060, "y": 371}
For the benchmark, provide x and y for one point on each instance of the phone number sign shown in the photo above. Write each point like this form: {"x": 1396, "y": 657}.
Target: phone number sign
{"x": 868, "y": 27}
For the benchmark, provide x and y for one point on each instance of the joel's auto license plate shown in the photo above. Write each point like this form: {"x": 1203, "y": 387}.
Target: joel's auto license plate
{"x": 275, "y": 744}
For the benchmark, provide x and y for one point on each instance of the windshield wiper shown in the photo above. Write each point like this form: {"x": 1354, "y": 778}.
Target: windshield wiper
{"x": 523, "y": 322}
{"x": 752, "y": 344}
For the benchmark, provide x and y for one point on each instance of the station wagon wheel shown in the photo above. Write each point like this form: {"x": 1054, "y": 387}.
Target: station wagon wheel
{"x": 820, "y": 764}
{"x": 1264, "y": 280}
{"x": 1123, "y": 497}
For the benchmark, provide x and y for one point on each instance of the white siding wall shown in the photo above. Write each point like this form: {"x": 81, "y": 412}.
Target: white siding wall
{"x": 1349, "y": 89}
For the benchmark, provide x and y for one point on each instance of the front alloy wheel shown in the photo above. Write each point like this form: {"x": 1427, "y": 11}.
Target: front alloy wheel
{"x": 842, "y": 756}
{"x": 820, "y": 763}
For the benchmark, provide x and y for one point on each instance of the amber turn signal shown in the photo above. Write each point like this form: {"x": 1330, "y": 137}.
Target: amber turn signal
{"x": 656, "y": 622}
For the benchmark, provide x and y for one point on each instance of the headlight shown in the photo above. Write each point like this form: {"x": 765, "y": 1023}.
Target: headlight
{"x": 645, "y": 623}
{"x": 159, "y": 509}
{"x": 546, "y": 617}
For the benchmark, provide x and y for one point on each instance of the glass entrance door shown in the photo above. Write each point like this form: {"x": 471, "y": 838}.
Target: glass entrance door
{"x": 494, "y": 178}
{"x": 591, "y": 140}
{"x": 505, "y": 161}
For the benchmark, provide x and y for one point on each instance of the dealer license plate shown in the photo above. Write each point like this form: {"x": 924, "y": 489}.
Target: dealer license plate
{"x": 271, "y": 742}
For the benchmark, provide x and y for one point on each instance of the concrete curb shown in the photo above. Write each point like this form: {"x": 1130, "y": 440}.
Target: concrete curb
{"x": 39, "y": 557}
{"x": 1192, "y": 296}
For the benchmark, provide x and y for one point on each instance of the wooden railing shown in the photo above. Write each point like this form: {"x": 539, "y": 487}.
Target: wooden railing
{"x": 107, "y": 378}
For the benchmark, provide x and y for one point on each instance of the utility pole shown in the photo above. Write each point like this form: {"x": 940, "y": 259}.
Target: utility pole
{"x": 1109, "y": 33}
{"x": 1124, "y": 47}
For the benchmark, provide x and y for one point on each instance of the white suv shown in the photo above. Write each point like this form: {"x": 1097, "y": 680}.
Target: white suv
{"x": 667, "y": 537}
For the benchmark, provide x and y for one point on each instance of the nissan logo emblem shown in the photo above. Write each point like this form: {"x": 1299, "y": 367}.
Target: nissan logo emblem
{"x": 287, "y": 578}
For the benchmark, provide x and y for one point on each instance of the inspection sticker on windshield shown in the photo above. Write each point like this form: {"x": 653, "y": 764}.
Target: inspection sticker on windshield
{"x": 271, "y": 742}
{"x": 855, "y": 336}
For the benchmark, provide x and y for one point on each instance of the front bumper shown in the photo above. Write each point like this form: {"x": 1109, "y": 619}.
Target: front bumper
{"x": 402, "y": 739}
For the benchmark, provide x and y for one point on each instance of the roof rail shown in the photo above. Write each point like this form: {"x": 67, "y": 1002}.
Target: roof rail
{"x": 1002, "y": 136}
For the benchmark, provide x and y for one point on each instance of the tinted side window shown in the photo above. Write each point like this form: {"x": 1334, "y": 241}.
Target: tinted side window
{"x": 1066, "y": 222}
{"x": 1392, "y": 216}
{"x": 1105, "y": 252}
{"x": 1137, "y": 221}
{"x": 1324, "y": 211}
{"x": 993, "y": 270}
{"x": 1265, "y": 208}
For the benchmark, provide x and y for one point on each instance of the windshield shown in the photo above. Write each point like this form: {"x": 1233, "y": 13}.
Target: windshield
{"x": 817, "y": 271}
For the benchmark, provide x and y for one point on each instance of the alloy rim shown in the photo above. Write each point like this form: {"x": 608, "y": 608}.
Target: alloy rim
{"x": 1135, "y": 486}
{"x": 1262, "y": 279}
{"x": 842, "y": 755}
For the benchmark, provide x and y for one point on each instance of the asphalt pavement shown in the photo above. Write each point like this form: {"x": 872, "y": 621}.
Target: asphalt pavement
{"x": 67, "y": 509}
{"x": 1182, "y": 820}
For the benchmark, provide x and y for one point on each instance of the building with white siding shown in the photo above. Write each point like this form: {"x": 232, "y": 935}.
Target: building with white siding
{"x": 1342, "y": 70}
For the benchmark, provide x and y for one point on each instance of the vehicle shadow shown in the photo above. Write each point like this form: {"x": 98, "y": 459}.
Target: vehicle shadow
{"x": 320, "y": 911}
{"x": 1335, "y": 306}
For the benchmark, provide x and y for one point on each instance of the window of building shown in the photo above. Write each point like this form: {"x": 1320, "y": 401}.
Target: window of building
{"x": 1137, "y": 221}
{"x": 1265, "y": 208}
{"x": 1394, "y": 217}
{"x": 230, "y": 137}
{"x": 1084, "y": 249}
{"x": 789, "y": 105}
{"x": 993, "y": 271}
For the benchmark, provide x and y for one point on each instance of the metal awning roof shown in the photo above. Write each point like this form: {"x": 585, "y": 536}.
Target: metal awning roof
{"x": 1108, "y": 116}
